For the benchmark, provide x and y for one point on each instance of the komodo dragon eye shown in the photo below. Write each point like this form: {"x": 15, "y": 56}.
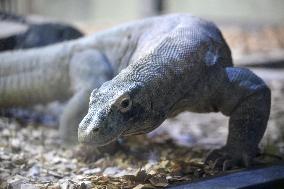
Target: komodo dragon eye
{"x": 124, "y": 103}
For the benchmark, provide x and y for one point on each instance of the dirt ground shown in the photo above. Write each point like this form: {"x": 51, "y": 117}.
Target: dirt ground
{"x": 31, "y": 156}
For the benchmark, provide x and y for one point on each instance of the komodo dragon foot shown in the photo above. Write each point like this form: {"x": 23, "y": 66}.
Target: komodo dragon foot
{"x": 226, "y": 158}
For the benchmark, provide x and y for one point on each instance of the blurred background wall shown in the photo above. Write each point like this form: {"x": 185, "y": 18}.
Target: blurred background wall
{"x": 249, "y": 26}
{"x": 270, "y": 11}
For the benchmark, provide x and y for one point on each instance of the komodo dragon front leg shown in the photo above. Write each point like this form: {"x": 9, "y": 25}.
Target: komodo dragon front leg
{"x": 88, "y": 70}
{"x": 246, "y": 99}
{"x": 73, "y": 112}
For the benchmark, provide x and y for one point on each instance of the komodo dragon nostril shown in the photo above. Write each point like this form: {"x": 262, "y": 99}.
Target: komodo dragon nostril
{"x": 96, "y": 129}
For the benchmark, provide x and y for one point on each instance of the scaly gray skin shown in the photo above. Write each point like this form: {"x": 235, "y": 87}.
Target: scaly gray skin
{"x": 178, "y": 63}
{"x": 64, "y": 72}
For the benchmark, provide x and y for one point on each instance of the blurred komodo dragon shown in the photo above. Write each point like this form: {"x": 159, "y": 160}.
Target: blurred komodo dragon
{"x": 23, "y": 32}
{"x": 162, "y": 66}
{"x": 36, "y": 34}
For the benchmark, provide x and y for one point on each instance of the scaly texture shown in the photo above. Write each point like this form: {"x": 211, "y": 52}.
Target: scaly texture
{"x": 32, "y": 79}
{"x": 180, "y": 63}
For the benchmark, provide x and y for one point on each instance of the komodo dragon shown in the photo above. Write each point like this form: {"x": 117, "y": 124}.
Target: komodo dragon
{"x": 162, "y": 66}
{"x": 177, "y": 63}
{"x": 37, "y": 34}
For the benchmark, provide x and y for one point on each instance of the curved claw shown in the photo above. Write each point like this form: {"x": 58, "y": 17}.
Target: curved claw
{"x": 228, "y": 164}
{"x": 213, "y": 155}
{"x": 219, "y": 162}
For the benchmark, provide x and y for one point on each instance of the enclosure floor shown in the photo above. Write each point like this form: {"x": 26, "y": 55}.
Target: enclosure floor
{"x": 31, "y": 156}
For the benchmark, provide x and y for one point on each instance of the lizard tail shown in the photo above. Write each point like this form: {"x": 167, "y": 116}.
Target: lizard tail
{"x": 33, "y": 76}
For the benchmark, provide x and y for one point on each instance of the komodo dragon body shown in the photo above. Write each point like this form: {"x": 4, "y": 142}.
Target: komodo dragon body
{"x": 162, "y": 66}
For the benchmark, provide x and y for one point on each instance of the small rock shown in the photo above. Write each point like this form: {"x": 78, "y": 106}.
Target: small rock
{"x": 139, "y": 186}
{"x": 69, "y": 184}
{"x": 16, "y": 145}
{"x": 111, "y": 171}
{"x": 6, "y": 133}
{"x": 92, "y": 171}
{"x": 34, "y": 171}
{"x": 29, "y": 186}
{"x": 16, "y": 182}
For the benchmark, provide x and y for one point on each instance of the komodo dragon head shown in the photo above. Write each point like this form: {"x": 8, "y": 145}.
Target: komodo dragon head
{"x": 118, "y": 108}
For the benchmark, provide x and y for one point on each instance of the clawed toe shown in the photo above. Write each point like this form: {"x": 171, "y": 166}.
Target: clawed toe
{"x": 219, "y": 162}
{"x": 223, "y": 159}
{"x": 213, "y": 156}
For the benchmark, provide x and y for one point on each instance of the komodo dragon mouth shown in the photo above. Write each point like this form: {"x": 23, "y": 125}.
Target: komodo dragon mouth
{"x": 90, "y": 140}
{"x": 139, "y": 132}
